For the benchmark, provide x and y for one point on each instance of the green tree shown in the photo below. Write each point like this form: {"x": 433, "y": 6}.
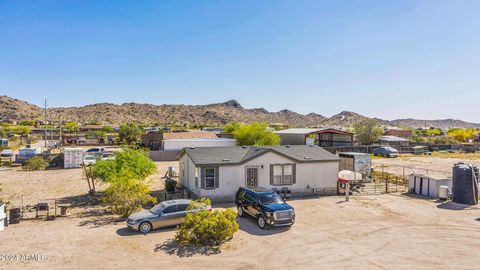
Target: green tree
{"x": 71, "y": 127}
{"x": 128, "y": 160}
{"x": 22, "y": 131}
{"x": 127, "y": 178}
{"x": 27, "y": 123}
{"x": 230, "y": 128}
{"x": 129, "y": 133}
{"x": 3, "y": 133}
{"x": 461, "y": 135}
{"x": 107, "y": 129}
{"x": 125, "y": 194}
{"x": 207, "y": 228}
{"x": 256, "y": 134}
{"x": 367, "y": 131}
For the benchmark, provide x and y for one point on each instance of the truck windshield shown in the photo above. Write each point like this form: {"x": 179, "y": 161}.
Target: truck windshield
{"x": 272, "y": 198}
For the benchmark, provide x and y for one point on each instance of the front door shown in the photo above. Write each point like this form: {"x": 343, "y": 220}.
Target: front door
{"x": 252, "y": 177}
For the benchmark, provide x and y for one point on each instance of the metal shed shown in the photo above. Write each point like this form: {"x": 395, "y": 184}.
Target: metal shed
{"x": 73, "y": 157}
{"x": 426, "y": 185}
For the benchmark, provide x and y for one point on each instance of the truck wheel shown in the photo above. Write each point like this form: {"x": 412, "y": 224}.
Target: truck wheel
{"x": 240, "y": 211}
{"x": 261, "y": 222}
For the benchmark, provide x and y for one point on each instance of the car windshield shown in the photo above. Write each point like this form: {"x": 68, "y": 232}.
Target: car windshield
{"x": 157, "y": 208}
{"x": 272, "y": 198}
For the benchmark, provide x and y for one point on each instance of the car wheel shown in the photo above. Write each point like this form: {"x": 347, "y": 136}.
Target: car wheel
{"x": 261, "y": 222}
{"x": 240, "y": 211}
{"x": 145, "y": 227}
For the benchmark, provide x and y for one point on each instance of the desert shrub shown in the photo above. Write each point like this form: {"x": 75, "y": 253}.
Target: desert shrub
{"x": 207, "y": 228}
{"x": 125, "y": 195}
{"x": 35, "y": 163}
{"x": 170, "y": 184}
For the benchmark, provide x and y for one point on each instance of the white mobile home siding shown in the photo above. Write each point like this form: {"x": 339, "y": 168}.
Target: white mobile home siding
{"x": 312, "y": 175}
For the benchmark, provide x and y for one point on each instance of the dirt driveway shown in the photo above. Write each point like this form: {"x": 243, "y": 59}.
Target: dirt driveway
{"x": 369, "y": 232}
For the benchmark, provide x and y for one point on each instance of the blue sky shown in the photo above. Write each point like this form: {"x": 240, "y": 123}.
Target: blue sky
{"x": 388, "y": 59}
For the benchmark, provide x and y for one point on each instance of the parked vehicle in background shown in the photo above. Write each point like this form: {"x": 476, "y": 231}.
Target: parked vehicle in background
{"x": 386, "y": 151}
{"x": 265, "y": 205}
{"x": 95, "y": 150}
{"x": 108, "y": 156}
{"x": 89, "y": 160}
{"x": 7, "y": 153}
{"x": 165, "y": 214}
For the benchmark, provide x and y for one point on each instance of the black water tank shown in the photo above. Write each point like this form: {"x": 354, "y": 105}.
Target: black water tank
{"x": 14, "y": 215}
{"x": 465, "y": 184}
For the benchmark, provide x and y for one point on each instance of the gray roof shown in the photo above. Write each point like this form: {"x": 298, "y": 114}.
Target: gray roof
{"x": 392, "y": 139}
{"x": 298, "y": 130}
{"x": 241, "y": 154}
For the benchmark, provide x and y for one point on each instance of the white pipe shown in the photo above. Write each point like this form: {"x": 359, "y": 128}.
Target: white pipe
{"x": 474, "y": 181}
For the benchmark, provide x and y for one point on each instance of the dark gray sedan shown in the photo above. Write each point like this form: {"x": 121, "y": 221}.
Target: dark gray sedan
{"x": 165, "y": 214}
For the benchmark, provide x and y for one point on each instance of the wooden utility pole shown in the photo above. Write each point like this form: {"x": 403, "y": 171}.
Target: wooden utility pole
{"x": 46, "y": 134}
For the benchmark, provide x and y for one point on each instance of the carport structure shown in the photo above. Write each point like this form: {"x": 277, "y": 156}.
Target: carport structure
{"x": 322, "y": 137}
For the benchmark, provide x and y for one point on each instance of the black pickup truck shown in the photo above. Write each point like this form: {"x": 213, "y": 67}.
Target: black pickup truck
{"x": 265, "y": 205}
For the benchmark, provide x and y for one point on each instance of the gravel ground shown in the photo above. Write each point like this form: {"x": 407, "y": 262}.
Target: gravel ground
{"x": 389, "y": 231}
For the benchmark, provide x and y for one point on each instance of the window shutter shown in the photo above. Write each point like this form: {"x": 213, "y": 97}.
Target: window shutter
{"x": 294, "y": 181}
{"x": 216, "y": 177}
{"x": 202, "y": 178}
{"x": 271, "y": 174}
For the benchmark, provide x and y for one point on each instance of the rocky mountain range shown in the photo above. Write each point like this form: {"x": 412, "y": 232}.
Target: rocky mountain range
{"x": 212, "y": 114}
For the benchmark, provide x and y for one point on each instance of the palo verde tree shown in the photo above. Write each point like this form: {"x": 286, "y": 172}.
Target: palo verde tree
{"x": 254, "y": 134}
{"x": 367, "y": 131}
{"x": 461, "y": 135}
{"x": 71, "y": 127}
{"x": 126, "y": 177}
{"x": 129, "y": 133}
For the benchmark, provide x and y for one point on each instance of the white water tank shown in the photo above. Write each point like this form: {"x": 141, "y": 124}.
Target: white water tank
{"x": 3, "y": 216}
{"x": 443, "y": 192}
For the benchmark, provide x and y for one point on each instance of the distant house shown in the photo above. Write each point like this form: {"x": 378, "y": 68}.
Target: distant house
{"x": 393, "y": 141}
{"x": 153, "y": 140}
{"x": 402, "y": 133}
{"x": 320, "y": 137}
{"x": 9, "y": 121}
{"x": 218, "y": 172}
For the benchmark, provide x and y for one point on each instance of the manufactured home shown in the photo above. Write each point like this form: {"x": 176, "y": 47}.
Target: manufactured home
{"x": 218, "y": 172}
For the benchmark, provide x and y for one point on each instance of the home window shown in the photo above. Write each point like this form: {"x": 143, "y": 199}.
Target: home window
{"x": 277, "y": 174}
{"x": 287, "y": 174}
{"x": 283, "y": 174}
{"x": 209, "y": 177}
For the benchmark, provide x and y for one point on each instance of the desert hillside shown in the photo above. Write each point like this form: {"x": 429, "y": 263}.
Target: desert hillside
{"x": 212, "y": 114}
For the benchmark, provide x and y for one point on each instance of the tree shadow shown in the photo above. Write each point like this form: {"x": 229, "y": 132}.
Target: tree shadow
{"x": 97, "y": 218}
{"x": 250, "y": 226}
{"x": 172, "y": 247}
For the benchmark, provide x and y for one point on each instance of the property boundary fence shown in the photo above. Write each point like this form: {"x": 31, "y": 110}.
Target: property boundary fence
{"x": 391, "y": 178}
{"x": 368, "y": 149}
{"x": 163, "y": 155}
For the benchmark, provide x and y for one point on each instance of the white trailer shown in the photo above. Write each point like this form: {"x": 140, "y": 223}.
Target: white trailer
{"x": 179, "y": 144}
{"x": 426, "y": 185}
{"x": 3, "y": 216}
{"x": 73, "y": 157}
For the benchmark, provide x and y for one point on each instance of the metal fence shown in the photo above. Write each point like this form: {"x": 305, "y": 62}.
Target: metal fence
{"x": 392, "y": 178}
{"x": 368, "y": 149}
